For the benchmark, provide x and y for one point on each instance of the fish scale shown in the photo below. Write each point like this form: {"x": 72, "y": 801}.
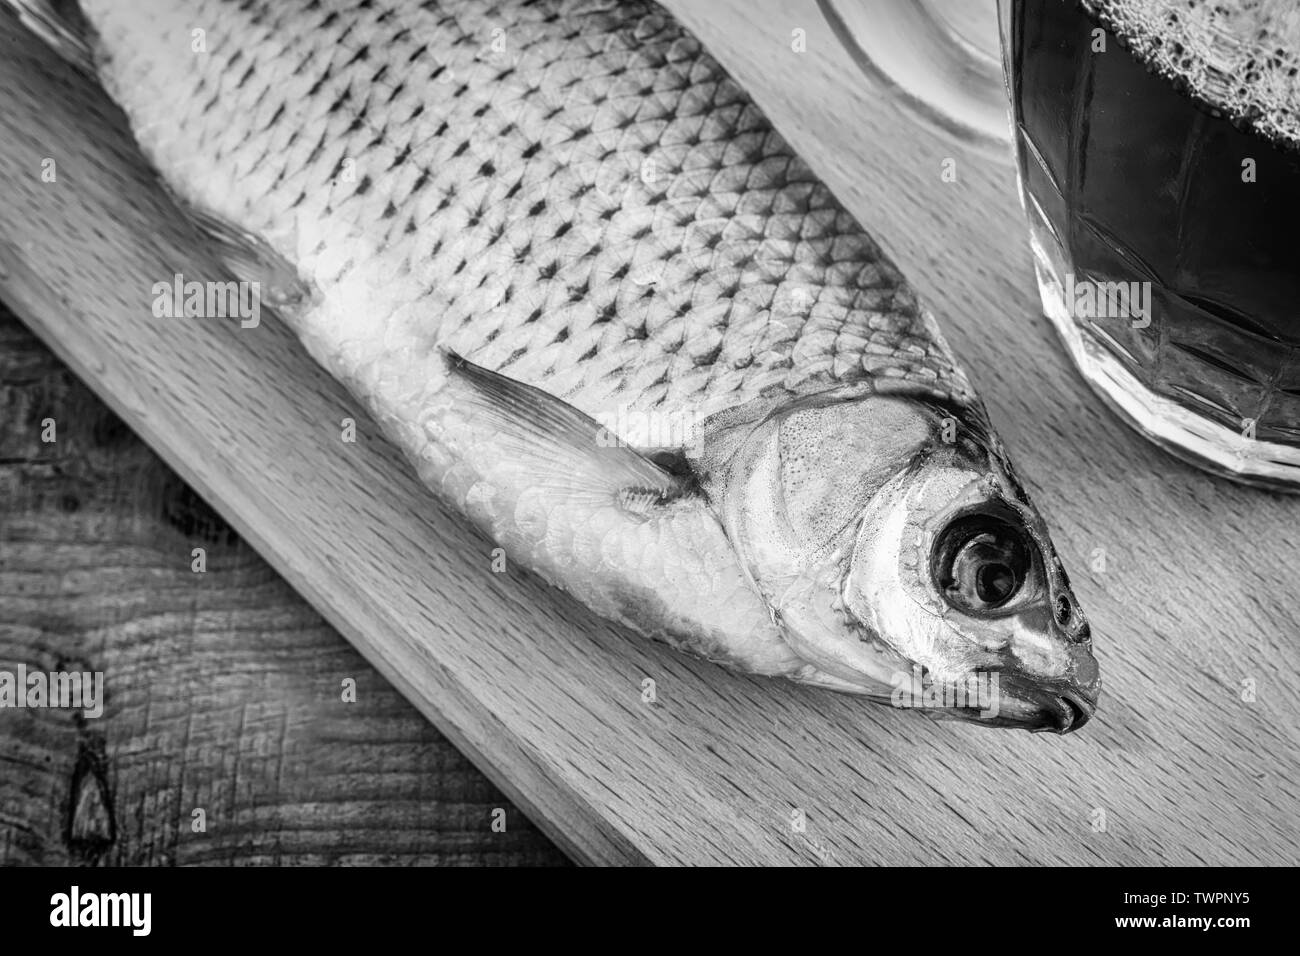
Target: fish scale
{"x": 598, "y": 210}
{"x": 506, "y": 223}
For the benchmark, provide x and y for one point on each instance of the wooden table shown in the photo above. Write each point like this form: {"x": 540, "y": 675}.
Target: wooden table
{"x": 1187, "y": 578}
{"x": 223, "y": 685}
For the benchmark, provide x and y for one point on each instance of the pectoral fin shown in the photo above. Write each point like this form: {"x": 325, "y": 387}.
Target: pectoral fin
{"x": 560, "y": 446}
{"x": 61, "y": 27}
{"x": 248, "y": 257}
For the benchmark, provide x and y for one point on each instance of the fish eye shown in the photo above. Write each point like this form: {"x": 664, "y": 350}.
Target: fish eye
{"x": 981, "y": 563}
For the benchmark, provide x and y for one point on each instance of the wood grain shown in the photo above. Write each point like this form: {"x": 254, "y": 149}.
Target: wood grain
{"x": 1194, "y": 598}
{"x": 226, "y": 690}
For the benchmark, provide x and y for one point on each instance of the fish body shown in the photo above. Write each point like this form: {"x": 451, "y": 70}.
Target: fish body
{"x": 610, "y": 315}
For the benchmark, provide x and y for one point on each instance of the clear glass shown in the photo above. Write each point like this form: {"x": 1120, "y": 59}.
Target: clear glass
{"x": 939, "y": 60}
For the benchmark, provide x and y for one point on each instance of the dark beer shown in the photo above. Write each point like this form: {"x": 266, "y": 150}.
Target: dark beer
{"x": 1130, "y": 177}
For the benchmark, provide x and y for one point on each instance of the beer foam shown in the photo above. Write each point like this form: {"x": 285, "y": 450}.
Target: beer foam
{"x": 1241, "y": 57}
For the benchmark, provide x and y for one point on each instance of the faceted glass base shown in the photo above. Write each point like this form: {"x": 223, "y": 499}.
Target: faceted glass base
{"x": 1172, "y": 425}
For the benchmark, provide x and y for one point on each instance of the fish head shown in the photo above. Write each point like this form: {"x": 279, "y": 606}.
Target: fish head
{"x": 897, "y": 551}
{"x": 955, "y": 568}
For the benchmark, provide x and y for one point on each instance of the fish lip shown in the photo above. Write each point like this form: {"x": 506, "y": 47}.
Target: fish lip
{"x": 1063, "y": 708}
{"x": 1075, "y": 710}
{"x": 1057, "y": 711}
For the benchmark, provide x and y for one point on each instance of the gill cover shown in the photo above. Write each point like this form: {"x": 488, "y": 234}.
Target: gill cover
{"x": 789, "y": 487}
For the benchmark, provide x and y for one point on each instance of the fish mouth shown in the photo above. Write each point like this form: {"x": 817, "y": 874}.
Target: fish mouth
{"x": 1073, "y": 711}
{"x": 1060, "y": 711}
{"x": 1039, "y": 709}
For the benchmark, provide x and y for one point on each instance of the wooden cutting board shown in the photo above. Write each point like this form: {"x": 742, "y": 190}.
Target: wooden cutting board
{"x": 1189, "y": 580}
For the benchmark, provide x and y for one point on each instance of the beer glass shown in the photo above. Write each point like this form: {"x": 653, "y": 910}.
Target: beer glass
{"x": 1157, "y": 146}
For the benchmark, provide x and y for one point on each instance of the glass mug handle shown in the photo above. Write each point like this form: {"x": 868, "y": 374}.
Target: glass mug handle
{"x": 940, "y": 59}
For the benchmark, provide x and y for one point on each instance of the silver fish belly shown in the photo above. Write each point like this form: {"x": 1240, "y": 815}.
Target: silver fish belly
{"x": 609, "y": 314}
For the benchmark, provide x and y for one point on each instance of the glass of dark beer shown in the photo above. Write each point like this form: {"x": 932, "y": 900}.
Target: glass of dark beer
{"x": 1157, "y": 144}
